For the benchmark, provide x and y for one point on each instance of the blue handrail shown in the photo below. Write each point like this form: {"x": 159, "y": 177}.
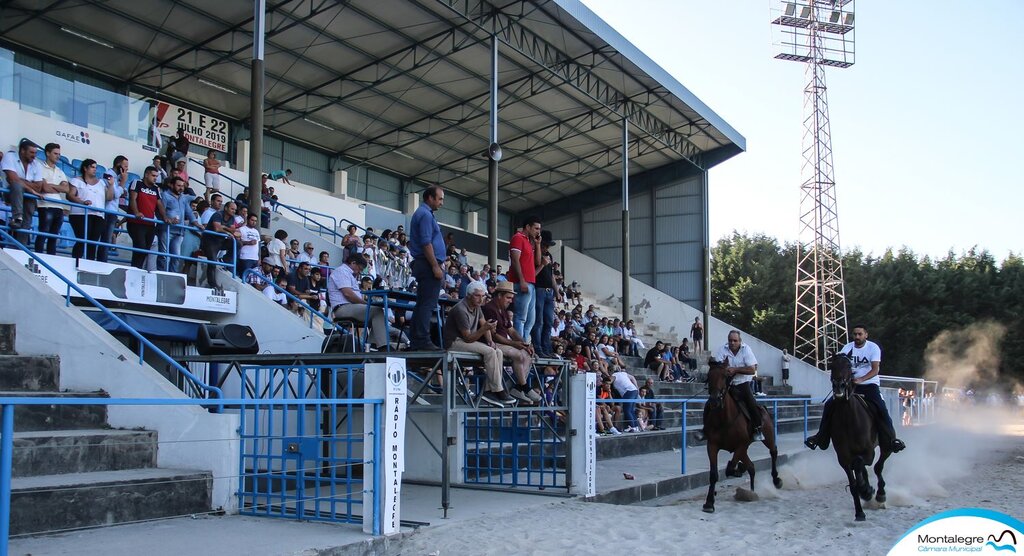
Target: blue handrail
{"x": 231, "y": 266}
{"x": 304, "y": 213}
{"x": 143, "y": 342}
{"x": 289, "y": 295}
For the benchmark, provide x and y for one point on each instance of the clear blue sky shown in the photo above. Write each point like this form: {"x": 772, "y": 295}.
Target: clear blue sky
{"x": 926, "y": 126}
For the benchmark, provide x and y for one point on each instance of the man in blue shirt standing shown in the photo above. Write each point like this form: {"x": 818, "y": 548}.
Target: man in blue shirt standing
{"x": 426, "y": 245}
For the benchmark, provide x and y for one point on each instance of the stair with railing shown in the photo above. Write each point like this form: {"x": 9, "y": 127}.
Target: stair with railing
{"x": 70, "y": 470}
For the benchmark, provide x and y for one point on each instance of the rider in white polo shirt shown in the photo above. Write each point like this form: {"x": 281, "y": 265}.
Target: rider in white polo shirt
{"x": 866, "y": 357}
{"x": 742, "y": 366}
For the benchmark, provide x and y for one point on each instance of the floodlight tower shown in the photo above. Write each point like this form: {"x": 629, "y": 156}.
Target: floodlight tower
{"x": 817, "y": 33}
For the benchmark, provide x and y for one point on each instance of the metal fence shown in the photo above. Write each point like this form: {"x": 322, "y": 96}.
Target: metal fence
{"x": 333, "y": 504}
{"x": 303, "y": 460}
{"x": 788, "y": 415}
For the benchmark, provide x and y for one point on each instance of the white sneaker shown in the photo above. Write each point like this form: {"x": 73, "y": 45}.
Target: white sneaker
{"x": 614, "y": 430}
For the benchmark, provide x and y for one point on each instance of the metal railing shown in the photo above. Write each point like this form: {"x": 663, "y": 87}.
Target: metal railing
{"x": 194, "y": 381}
{"x": 267, "y": 280}
{"x": 102, "y": 212}
{"x": 327, "y": 406}
{"x": 800, "y": 406}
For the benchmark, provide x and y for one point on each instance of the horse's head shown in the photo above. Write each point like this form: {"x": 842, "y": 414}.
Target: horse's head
{"x": 718, "y": 382}
{"x": 841, "y": 370}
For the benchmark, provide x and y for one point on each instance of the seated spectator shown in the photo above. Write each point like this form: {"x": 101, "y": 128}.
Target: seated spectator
{"x": 308, "y": 254}
{"x": 629, "y": 335}
{"x": 512, "y": 346}
{"x": 684, "y": 355}
{"x": 625, "y": 387}
{"x": 259, "y": 280}
{"x": 300, "y": 285}
{"x": 606, "y": 351}
{"x": 607, "y": 413}
{"x": 654, "y": 361}
{"x": 275, "y": 294}
{"x": 348, "y": 303}
{"x": 644, "y": 411}
{"x": 292, "y": 255}
{"x": 656, "y": 411}
{"x": 466, "y": 330}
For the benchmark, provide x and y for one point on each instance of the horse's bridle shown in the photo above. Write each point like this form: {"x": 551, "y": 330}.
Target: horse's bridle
{"x": 846, "y": 384}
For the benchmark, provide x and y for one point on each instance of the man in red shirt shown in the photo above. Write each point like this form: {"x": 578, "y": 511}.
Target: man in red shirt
{"x": 510, "y": 343}
{"x": 144, "y": 203}
{"x": 524, "y": 256}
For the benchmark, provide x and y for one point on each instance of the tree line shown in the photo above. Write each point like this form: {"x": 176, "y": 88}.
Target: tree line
{"x": 906, "y": 300}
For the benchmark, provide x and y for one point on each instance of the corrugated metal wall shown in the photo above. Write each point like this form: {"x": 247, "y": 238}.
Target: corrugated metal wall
{"x": 308, "y": 166}
{"x": 666, "y": 237}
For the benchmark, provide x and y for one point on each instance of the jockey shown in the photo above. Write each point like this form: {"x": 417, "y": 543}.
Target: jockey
{"x": 742, "y": 365}
{"x": 866, "y": 357}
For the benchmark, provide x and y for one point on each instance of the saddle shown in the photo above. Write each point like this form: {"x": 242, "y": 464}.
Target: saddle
{"x": 742, "y": 406}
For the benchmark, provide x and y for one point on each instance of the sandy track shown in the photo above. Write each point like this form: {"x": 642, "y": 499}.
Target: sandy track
{"x": 812, "y": 514}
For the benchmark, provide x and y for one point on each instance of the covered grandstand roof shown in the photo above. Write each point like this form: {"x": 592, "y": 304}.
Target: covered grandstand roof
{"x": 404, "y": 84}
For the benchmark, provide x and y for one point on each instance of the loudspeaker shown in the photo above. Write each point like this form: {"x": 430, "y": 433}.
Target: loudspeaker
{"x": 229, "y": 339}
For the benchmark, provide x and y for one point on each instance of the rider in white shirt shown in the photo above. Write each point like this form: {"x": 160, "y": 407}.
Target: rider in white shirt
{"x": 866, "y": 357}
{"x": 742, "y": 366}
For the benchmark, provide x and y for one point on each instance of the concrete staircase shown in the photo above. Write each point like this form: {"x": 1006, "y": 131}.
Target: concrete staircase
{"x": 71, "y": 470}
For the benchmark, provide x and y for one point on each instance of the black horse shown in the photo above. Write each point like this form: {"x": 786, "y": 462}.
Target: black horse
{"x": 726, "y": 428}
{"x": 854, "y": 435}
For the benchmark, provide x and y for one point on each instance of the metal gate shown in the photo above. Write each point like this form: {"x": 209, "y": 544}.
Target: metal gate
{"x": 303, "y": 458}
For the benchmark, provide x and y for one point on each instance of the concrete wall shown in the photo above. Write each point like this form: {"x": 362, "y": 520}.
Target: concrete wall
{"x": 91, "y": 359}
{"x": 277, "y": 329}
{"x": 651, "y": 306}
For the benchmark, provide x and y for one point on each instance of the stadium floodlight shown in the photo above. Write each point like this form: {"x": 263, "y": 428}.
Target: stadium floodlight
{"x": 821, "y": 37}
{"x": 218, "y": 86}
{"x": 790, "y": 9}
{"x": 89, "y": 38}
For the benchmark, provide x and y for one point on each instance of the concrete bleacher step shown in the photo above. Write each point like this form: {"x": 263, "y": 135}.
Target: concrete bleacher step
{"x": 82, "y": 451}
{"x": 58, "y": 417}
{"x": 29, "y": 372}
{"x": 61, "y": 502}
{"x": 499, "y": 460}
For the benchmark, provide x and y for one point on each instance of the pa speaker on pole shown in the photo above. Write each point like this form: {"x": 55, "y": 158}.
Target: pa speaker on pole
{"x": 228, "y": 339}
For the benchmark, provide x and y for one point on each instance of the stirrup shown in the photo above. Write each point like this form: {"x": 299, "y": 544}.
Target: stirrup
{"x": 758, "y": 435}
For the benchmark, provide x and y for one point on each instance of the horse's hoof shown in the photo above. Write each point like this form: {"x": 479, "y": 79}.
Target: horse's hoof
{"x": 880, "y": 498}
{"x": 708, "y": 509}
{"x": 860, "y": 518}
{"x": 777, "y": 481}
{"x": 867, "y": 493}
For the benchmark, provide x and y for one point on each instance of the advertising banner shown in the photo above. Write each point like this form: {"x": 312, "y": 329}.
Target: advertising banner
{"x": 200, "y": 129}
{"x": 109, "y": 282}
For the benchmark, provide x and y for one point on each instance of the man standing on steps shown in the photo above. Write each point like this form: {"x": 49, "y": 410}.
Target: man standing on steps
{"x": 866, "y": 357}
{"x": 426, "y": 245}
{"x": 524, "y": 256}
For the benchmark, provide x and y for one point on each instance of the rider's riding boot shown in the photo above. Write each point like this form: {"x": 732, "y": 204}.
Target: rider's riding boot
{"x": 821, "y": 439}
{"x": 758, "y": 435}
{"x": 897, "y": 445}
{"x": 887, "y": 434}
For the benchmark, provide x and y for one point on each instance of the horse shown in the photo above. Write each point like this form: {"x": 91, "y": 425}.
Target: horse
{"x": 726, "y": 428}
{"x": 854, "y": 435}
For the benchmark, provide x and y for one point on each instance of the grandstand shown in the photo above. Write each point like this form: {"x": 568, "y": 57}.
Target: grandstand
{"x": 367, "y": 103}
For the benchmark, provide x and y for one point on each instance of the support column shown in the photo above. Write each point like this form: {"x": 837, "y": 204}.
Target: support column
{"x": 706, "y": 263}
{"x": 625, "y": 219}
{"x": 256, "y": 105}
{"x": 493, "y": 156}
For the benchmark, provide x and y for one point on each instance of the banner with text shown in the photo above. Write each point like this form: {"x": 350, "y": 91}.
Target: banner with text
{"x": 200, "y": 129}
{"x": 110, "y": 282}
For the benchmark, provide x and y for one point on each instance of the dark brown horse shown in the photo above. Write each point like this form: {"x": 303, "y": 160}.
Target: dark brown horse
{"x": 726, "y": 428}
{"x": 854, "y": 435}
